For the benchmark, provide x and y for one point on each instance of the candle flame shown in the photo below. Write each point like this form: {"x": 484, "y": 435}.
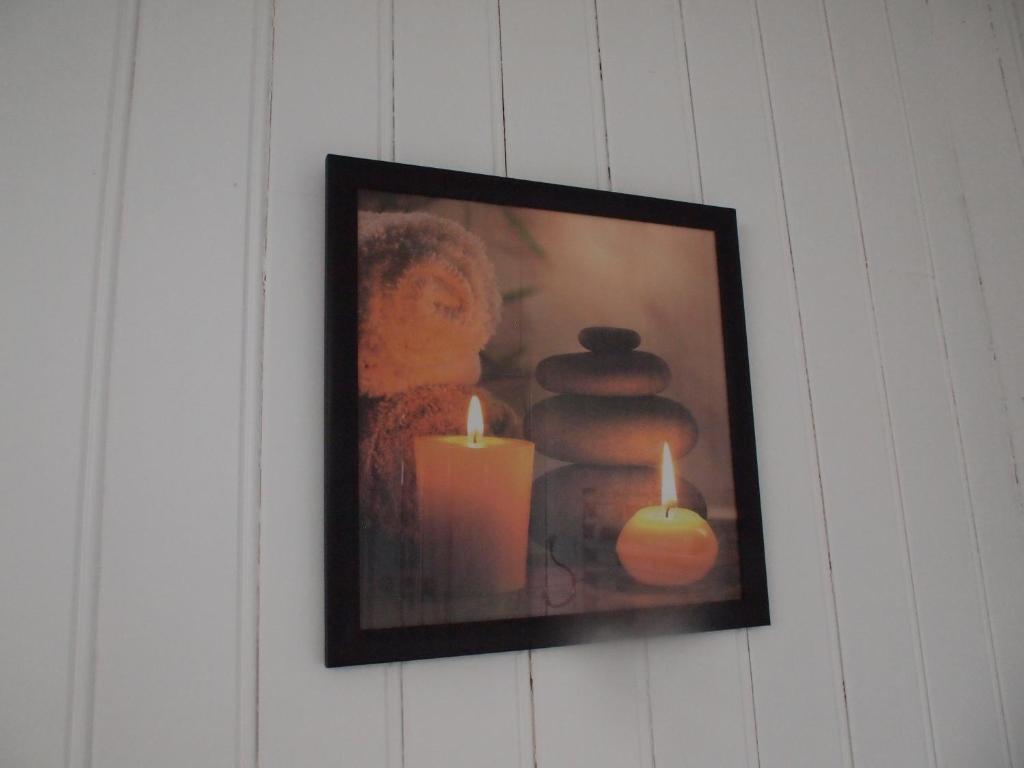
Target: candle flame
{"x": 475, "y": 421}
{"x": 668, "y": 478}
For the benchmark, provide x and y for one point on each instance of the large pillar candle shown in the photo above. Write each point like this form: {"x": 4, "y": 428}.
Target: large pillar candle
{"x": 474, "y": 509}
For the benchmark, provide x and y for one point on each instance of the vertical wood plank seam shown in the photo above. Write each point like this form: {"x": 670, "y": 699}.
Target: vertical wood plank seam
{"x": 641, "y": 672}
{"x": 501, "y": 84}
{"x": 643, "y": 725}
{"x": 1016, "y": 6}
{"x": 394, "y": 741}
{"x": 1010, "y": 16}
{"x": 533, "y": 707}
{"x": 599, "y": 122}
{"x": 1009, "y": 106}
{"x": 401, "y": 710}
{"x": 931, "y": 746}
{"x": 251, "y": 375}
{"x": 745, "y": 652}
{"x": 1018, "y": 33}
{"x": 750, "y": 706}
{"x": 689, "y": 96}
{"x": 385, "y": 80}
{"x": 1001, "y": 387}
{"x": 1007, "y": 391}
{"x": 839, "y": 663}
{"x": 81, "y": 682}
{"x": 264, "y": 269}
{"x": 1013, "y": 21}
{"x": 394, "y": 679}
{"x": 979, "y": 567}
{"x": 496, "y": 89}
{"x": 1011, "y": 12}
{"x": 1002, "y": 77}
{"x": 1003, "y": 392}
{"x": 394, "y": 107}
{"x": 650, "y": 703}
{"x": 526, "y": 744}
{"x": 381, "y": 112}
{"x": 523, "y": 665}
{"x": 1018, "y": 13}
{"x": 394, "y": 715}
{"x": 601, "y": 97}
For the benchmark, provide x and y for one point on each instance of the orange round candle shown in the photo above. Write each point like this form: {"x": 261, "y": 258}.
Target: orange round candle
{"x": 474, "y": 507}
{"x": 667, "y": 545}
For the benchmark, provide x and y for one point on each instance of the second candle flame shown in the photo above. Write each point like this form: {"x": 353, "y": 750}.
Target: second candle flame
{"x": 668, "y": 478}
{"x": 475, "y": 422}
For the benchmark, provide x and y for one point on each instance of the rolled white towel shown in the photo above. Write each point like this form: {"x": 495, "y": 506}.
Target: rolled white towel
{"x": 428, "y": 302}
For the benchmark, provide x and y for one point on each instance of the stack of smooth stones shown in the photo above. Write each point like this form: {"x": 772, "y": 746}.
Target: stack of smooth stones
{"x": 609, "y": 422}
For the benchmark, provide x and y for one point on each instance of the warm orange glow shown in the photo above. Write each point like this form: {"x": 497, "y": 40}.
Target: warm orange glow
{"x": 474, "y": 509}
{"x": 668, "y": 478}
{"x": 475, "y": 421}
{"x": 667, "y": 547}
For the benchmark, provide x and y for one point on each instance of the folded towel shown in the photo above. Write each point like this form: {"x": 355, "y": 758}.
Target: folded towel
{"x": 387, "y": 425}
{"x": 428, "y": 302}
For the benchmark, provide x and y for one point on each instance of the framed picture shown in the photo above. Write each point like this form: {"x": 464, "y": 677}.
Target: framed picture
{"x": 538, "y": 417}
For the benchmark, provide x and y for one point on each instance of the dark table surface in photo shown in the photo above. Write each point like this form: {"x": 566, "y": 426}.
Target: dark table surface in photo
{"x": 552, "y": 589}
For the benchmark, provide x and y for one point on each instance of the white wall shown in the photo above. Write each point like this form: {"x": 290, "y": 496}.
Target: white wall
{"x": 161, "y": 276}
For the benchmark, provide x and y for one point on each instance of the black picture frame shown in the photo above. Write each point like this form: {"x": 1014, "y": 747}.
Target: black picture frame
{"x": 346, "y": 642}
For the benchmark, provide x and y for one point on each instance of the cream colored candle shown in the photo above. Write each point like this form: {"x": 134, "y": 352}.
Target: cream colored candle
{"x": 474, "y": 506}
{"x": 667, "y": 545}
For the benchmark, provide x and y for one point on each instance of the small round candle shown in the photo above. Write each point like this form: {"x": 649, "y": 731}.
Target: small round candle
{"x": 474, "y": 507}
{"x": 667, "y": 545}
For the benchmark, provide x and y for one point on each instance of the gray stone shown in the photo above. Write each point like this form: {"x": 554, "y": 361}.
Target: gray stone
{"x": 603, "y": 338}
{"x": 586, "y": 429}
{"x": 615, "y": 373}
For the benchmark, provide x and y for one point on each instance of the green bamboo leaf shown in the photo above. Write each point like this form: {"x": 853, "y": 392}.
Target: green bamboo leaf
{"x": 524, "y": 233}
{"x": 510, "y": 297}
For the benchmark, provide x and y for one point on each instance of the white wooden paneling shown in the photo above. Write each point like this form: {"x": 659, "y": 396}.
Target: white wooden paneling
{"x": 448, "y": 85}
{"x": 646, "y": 88}
{"x": 1016, "y": 10}
{"x": 1014, "y": 14}
{"x": 977, "y": 389}
{"x": 797, "y": 680}
{"x": 168, "y": 631}
{"x": 456, "y": 712}
{"x": 957, "y": 651}
{"x": 1009, "y": 50}
{"x": 331, "y": 93}
{"x": 251, "y": 404}
{"x": 591, "y": 704}
{"x": 467, "y": 712}
{"x": 992, "y": 178}
{"x": 873, "y": 151}
{"x": 875, "y": 604}
{"x": 554, "y": 129}
{"x": 55, "y": 116}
